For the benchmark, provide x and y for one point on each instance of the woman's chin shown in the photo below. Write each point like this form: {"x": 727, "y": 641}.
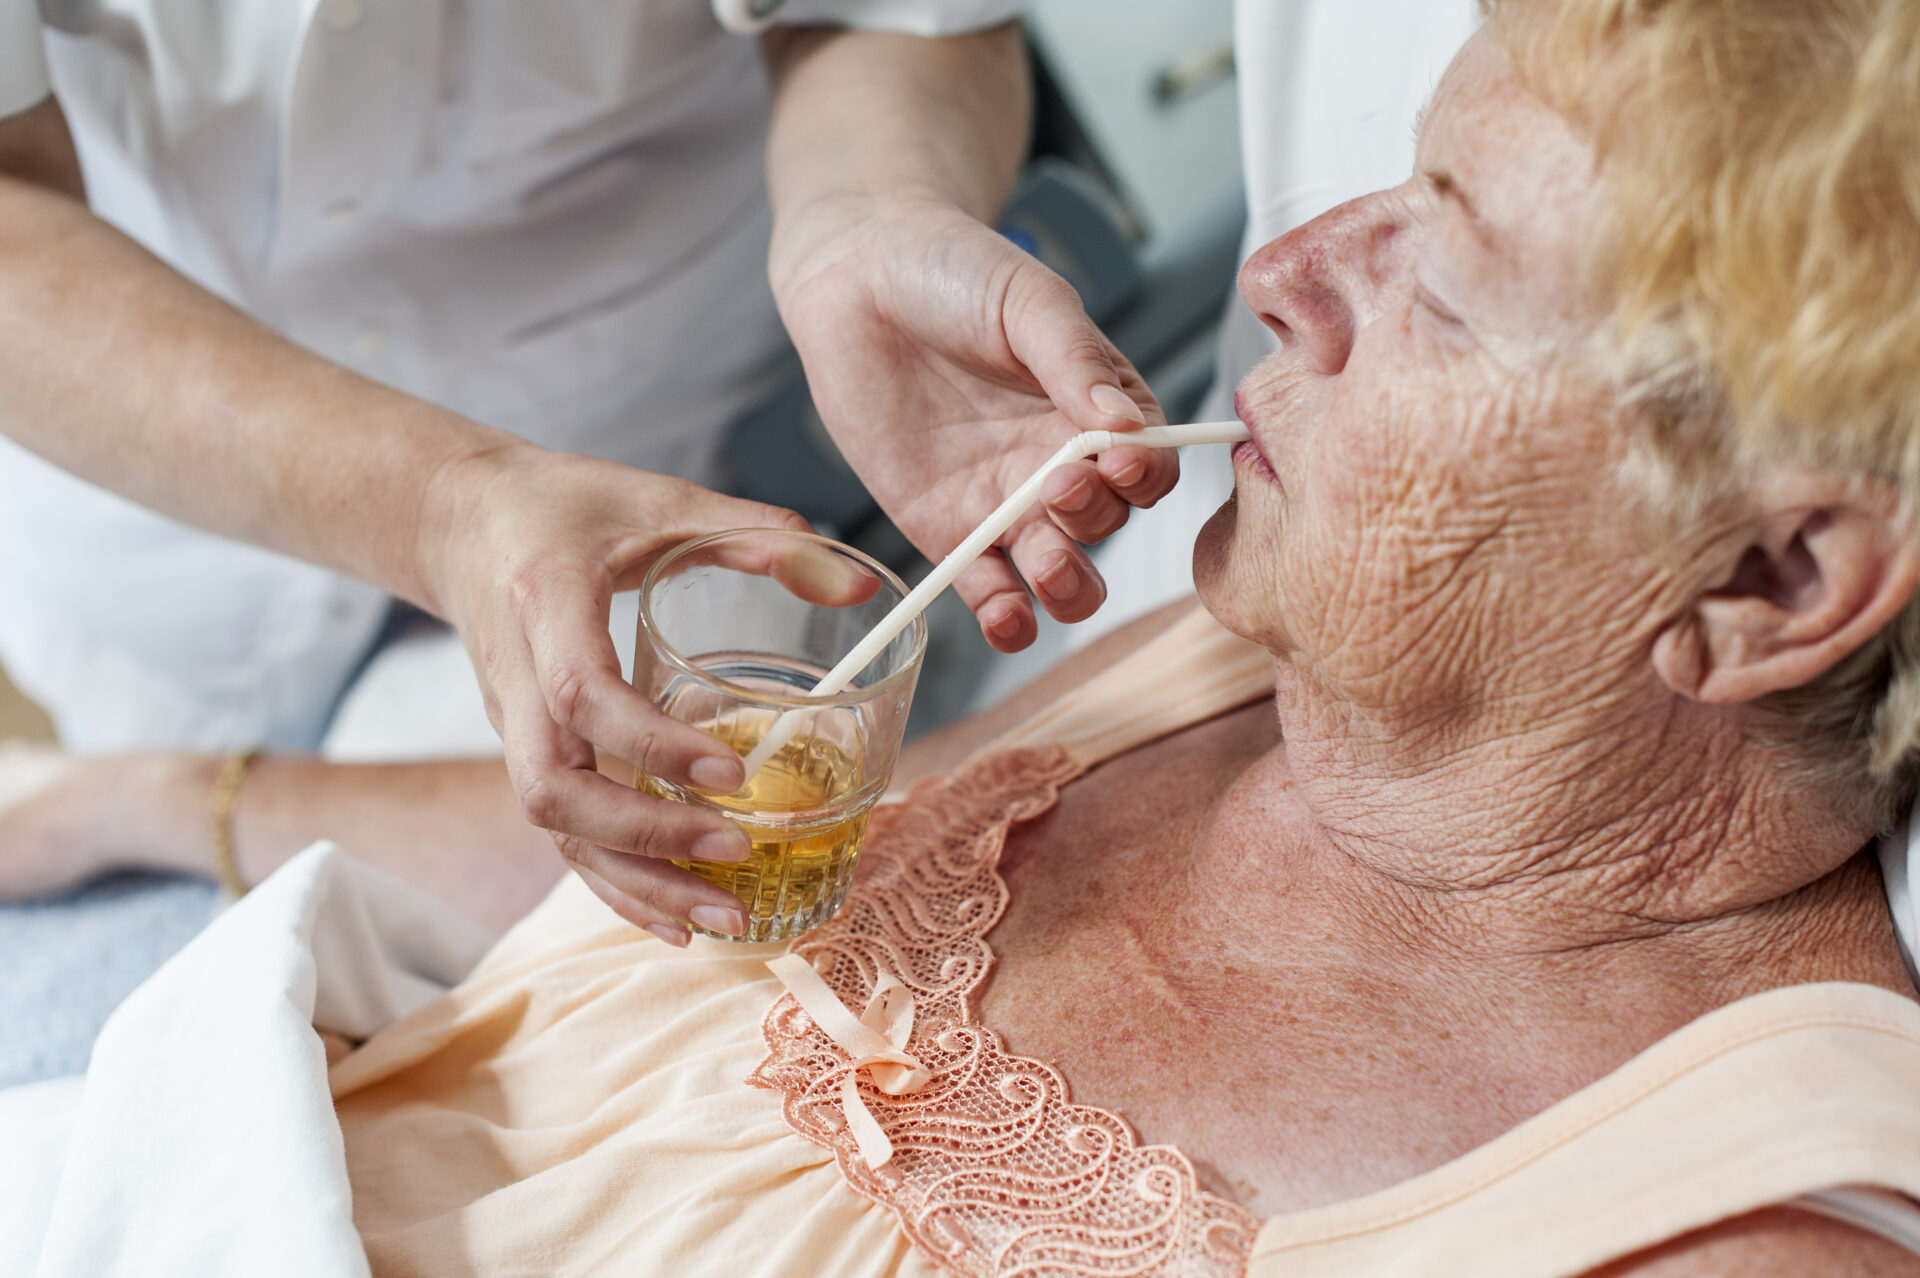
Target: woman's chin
{"x": 1233, "y": 575}
{"x": 1212, "y": 555}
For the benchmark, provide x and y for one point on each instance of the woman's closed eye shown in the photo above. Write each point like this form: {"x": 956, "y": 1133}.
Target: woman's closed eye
{"x": 1433, "y": 306}
{"x": 1440, "y": 322}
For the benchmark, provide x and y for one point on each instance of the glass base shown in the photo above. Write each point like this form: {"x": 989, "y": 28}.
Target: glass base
{"x": 797, "y": 920}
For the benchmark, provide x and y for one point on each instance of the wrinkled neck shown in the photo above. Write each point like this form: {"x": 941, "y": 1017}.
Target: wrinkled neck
{"x": 1531, "y": 828}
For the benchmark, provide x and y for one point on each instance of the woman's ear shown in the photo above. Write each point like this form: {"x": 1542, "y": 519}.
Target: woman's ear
{"x": 1826, "y": 565}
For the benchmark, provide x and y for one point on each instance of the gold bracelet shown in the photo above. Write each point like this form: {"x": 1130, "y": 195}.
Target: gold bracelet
{"x": 221, "y": 802}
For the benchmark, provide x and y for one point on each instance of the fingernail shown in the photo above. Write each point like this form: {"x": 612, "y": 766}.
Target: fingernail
{"x": 711, "y": 772}
{"x": 718, "y": 918}
{"x": 1062, "y": 580}
{"x": 1006, "y": 625}
{"x": 671, "y": 935}
{"x": 721, "y": 845}
{"x": 1130, "y": 474}
{"x": 1076, "y": 497}
{"x": 1115, "y": 402}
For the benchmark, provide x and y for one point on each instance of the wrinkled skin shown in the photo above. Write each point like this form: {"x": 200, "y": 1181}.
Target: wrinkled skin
{"x": 1430, "y": 445}
{"x": 1431, "y": 529}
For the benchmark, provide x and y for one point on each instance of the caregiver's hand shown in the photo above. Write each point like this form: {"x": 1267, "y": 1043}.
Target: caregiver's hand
{"x": 523, "y": 550}
{"x": 949, "y": 365}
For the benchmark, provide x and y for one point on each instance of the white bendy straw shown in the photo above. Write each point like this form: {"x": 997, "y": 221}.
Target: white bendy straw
{"x": 1081, "y": 446}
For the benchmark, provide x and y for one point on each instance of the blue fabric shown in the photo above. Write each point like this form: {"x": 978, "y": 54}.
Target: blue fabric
{"x": 66, "y": 962}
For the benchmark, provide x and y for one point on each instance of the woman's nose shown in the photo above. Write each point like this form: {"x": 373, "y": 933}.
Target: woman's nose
{"x": 1318, "y": 285}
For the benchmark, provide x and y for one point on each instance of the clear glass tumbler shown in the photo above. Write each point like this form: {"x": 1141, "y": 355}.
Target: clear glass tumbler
{"x": 735, "y": 629}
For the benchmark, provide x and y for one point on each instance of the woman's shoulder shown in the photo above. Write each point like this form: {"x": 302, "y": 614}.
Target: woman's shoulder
{"x": 1732, "y": 1139}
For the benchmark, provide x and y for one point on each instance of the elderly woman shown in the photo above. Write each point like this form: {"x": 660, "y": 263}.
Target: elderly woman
{"x": 1494, "y": 903}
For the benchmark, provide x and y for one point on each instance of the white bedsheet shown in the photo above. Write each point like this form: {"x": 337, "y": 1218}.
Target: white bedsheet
{"x": 36, "y": 1127}
{"x": 203, "y": 1141}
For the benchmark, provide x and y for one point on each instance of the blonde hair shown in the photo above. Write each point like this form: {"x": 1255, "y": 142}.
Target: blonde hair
{"x": 1761, "y": 160}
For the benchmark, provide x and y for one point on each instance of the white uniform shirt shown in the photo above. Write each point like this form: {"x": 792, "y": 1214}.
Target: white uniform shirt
{"x": 548, "y": 216}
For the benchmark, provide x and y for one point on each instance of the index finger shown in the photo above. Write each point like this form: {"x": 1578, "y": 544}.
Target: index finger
{"x": 1139, "y": 476}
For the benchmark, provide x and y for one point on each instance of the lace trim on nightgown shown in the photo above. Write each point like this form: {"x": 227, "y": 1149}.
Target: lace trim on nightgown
{"x": 995, "y": 1171}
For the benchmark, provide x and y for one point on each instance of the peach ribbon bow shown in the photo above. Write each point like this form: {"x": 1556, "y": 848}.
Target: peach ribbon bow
{"x": 876, "y": 1040}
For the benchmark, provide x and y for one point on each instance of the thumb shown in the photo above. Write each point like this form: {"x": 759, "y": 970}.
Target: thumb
{"x": 1087, "y": 379}
{"x": 693, "y": 511}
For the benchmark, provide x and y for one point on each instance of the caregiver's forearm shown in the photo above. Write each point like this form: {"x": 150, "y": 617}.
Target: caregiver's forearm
{"x": 861, "y": 116}
{"x": 451, "y": 828}
{"x": 116, "y": 368}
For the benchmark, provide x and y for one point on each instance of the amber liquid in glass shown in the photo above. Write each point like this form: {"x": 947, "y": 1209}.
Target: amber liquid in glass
{"x": 806, "y": 834}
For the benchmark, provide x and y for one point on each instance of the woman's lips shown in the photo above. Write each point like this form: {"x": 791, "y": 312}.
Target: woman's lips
{"x": 1248, "y": 454}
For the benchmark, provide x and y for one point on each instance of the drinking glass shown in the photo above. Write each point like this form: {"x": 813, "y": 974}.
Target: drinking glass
{"x": 735, "y": 629}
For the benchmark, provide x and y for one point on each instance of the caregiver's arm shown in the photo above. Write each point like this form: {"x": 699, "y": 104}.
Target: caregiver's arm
{"x": 947, "y": 363}
{"x": 450, "y": 828}
{"x": 118, "y": 369}
{"x": 115, "y": 367}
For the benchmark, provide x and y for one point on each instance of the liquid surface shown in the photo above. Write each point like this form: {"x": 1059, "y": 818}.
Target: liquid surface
{"x": 805, "y": 827}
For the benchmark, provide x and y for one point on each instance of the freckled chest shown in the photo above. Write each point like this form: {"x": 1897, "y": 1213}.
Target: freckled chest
{"x": 1290, "y": 1078}
{"x": 1077, "y": 982}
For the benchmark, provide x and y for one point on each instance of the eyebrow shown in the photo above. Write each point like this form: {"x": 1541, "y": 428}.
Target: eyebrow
{"x": 1447, "y": 188}
{"x": 1421, "y": 113}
